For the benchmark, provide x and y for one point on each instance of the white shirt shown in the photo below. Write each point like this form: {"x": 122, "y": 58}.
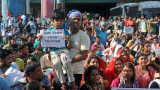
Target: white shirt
{"x": 39, "y": 20}
{"x": 10, "y": 19}
{"x": 80, "y": 41}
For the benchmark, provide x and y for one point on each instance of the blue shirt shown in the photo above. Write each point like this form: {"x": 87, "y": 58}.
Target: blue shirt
{"x": 24, "y": 19}
{"x": 4, "y": 84}
{"x": 57, "y": 48}
{"x": 103, "y": 35}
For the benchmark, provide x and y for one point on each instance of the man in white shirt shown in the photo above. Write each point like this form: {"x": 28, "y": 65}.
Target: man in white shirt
{"x": 11, "y": 20}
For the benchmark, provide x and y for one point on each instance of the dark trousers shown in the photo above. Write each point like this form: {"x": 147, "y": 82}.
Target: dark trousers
{"x": 144, "y": 34}
{"x": 57, "y": 84}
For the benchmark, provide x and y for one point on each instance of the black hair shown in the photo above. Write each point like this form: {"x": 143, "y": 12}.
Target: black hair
{"x": 87, "y": 72}
{"x": 89, "y": 60}
{"x": 152, "y": 16}
{"x": 118, "y": 27}
{"x": 21, "y": 46}
{"x": 31, "y": 19}
{"x": 111, "y": 17}
{"x": 123, "y": 51}
{"x": 4, "y": 53}
{"x": 96, "y": 48}
{"x": 155, "y": 38}
{"x": 6, "y": 27}
{"x": 57, "y": 14}
{"x": 131, "y": 66}
{"x": 30, "y": 35}
{"x": 31, "y": 67}
{"x": 145, "y": 42}
{"x": 13, "y": 47}
{"x": 23, "y": 39}
{"x": 97, "y": 37}
{"x": 126, "y": 47}
{"x": 34, "y": 85}
{"x": 135, "y": 17}
{"x": 16, "y": 34}
{"x": 32, "y": 58}
{"x": 142, "y": 54}
{"x": 143, "y": 15}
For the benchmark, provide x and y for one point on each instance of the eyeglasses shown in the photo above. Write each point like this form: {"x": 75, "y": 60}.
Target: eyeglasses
{"x": 127, "y": 71}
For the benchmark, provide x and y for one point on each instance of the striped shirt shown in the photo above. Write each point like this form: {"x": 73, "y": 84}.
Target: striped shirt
{"x": 37, "y": 56}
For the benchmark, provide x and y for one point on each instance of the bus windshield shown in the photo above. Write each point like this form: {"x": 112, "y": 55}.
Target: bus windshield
{"x": 149, "y": 12}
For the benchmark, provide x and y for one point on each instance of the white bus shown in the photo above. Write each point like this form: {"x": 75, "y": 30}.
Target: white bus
{"x": 120, "y": 10}
{"x": 148, "y": 8}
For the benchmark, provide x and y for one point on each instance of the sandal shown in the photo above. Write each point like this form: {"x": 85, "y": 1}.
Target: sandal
{"x": 74, "y": 87}
{"x": 64, "y": 88}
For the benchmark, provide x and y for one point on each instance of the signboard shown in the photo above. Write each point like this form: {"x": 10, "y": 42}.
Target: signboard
{"x": 60, "y": 6}
{"x": 13, "y": 75}
{"x": 52, "y": 38}
{"x": 132, "y": 89}
{"x": 128, "y": 30}
{"x": 158, "y": 52}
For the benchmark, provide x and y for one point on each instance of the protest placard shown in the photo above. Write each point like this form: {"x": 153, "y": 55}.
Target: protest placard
{"x": 128, "y": 30}
{"x": 158, "y": 52}
{"x": 132, "y": 89}
{"x": 13, "y": 75}
{"x": 52, "y": 38}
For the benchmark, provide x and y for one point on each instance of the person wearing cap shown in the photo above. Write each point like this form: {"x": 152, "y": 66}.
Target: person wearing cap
{"x": 38, "y": 53}
{"x": 80, "y": 45}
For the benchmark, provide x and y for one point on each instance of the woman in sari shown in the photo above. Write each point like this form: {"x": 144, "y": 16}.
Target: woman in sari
{"x": 128, "y": 78}
{"x": 114, "y": 69}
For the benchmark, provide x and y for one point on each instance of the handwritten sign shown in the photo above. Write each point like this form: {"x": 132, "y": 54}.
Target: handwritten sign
{"x": 52, "y": 38}
{"x": 158, "y": 52}
{"x": 128, "y": 30}
{"x": 132, "y": 89}
{"x": 13, "y": 75}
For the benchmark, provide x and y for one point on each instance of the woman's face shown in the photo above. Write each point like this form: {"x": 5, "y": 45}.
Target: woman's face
{"x": 94, "y": 62}
{"x": 127, "y": 72}
{"x": 128, "y": 51}
{"x": 94, "y": 76}
{"x": 123, "y": 56}
{"x": 142, "y": 61}
{"x": 118, "y": 65}
{"x": 147, "y": 47}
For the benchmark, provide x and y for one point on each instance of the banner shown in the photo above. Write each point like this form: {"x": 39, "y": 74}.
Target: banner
{"x": 132, "y": 89}
{"x": 52, "y": 38}
{"x": 128, "y": 30}
{"x": 13, "y": 75}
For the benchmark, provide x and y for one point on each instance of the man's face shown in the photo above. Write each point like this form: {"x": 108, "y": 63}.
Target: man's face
{"x": 8, "y": 60}
{"x": 20, "y": 14}
{"x": 13, "y": 41}
{"x": 142, "y": 17}
{"x": 76, "y": 22}
{"x": 11, "y": 15}
{"x": 25, "y": 50}
{"x": 155, "y": 41}
{"x": 97, "y": 40}
{"x": 130, "y": 18}
{"x": 37, "y": 74}
{"x": 125, "y": 16}
{"x": 103, "y": 18}
{"x": 14, "y": 53}
{"x": 58, "y": 23}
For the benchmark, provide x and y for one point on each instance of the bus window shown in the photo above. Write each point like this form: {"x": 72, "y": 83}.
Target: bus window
{"x": 115, "y": 12}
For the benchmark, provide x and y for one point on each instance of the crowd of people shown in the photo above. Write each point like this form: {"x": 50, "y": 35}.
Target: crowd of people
{"x": 98, "y": 54}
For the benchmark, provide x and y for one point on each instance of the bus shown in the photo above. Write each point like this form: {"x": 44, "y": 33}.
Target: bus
{"x": 148, "y": 8}
{"x": 120, "y": 10}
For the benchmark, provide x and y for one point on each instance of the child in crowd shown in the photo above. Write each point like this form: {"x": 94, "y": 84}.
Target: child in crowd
{"x": 60, "y": 55}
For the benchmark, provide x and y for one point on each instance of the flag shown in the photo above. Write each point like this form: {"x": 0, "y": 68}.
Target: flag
{"x": 8, "y": 11}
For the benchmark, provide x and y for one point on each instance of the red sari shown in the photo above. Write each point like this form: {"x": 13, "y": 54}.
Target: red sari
{"x": 110, "y": 74}
{"x": 128, "y": 57}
